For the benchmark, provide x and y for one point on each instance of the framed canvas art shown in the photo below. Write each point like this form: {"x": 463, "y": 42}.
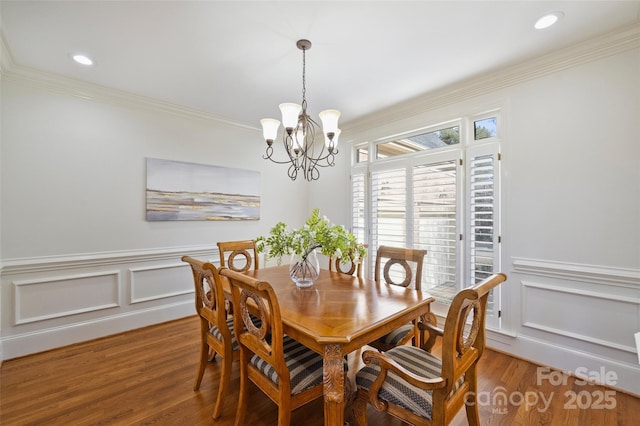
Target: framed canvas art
{"x": 189, "y": 191}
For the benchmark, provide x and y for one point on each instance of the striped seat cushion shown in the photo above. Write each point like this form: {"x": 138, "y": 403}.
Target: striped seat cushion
{"x": 234, "y": 343}
{"x": 399, "y": 392}
{"x": 216, "y": 333}
{"x": 305, "y": 366}
{"x": 395, "y": 337}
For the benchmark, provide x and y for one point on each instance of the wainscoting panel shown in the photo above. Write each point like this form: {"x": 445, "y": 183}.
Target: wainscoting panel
{"x": 56, "y": 301}
{"x": 573, "y": 317}
{"x": 160, "y": 282}
{"x": 54, "y": 297}
{"x": 581, "y": 314}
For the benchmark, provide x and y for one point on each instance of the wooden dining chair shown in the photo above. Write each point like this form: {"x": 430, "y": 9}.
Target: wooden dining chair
{"x": 346, "y": 266}
{"x": 288, "y": 372}
{"x": 425, "y": 389}
{"x": 410, "y": 261}
{"x": 216, "y": 327}
{"x": 231, "y": 251}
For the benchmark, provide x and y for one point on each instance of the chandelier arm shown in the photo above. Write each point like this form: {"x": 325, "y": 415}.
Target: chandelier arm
{"x": 313, "y": 174}
{"x": 287, "y": 141}
{"x": 330, "y": 161}
{"x": 330, "y": 157}
{"x": 269, "y": 156}
{"x": 308, "y": 148}
{"x": 293, "y": 171}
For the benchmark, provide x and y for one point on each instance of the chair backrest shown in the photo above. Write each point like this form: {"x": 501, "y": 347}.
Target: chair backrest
{"x": 347, "y": 266}
{"x": 404, "y": 257}
{"x": 252, "y": 297}
{"x": 463, "y": 338}
{"x": 230, "y": 251}
{"x": 209, "y": 296}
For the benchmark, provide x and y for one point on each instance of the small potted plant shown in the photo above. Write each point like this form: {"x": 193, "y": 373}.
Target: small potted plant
{"x": 317, "y": 233}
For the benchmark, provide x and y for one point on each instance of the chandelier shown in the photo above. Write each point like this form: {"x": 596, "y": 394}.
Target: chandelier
{"x": 299, "y": 137}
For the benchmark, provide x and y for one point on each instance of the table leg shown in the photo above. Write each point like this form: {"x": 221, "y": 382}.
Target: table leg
{"x": 334, "y": 379}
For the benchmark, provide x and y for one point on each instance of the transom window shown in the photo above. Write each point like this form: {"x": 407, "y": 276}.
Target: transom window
{"x": 420, "y": 142}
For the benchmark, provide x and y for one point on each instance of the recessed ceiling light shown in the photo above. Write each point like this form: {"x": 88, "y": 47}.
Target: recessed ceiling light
{"x": 548, "y": 20}
{"x": 83, "y": 59}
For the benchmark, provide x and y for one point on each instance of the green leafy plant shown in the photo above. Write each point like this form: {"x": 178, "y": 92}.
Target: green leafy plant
{"x": 317, "y": 233}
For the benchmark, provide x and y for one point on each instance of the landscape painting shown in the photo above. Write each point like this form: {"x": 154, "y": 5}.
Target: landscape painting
{"x": 189, "y": 191}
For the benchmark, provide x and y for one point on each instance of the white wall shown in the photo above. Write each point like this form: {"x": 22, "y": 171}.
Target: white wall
{"x": 79, "y": 260}
{"x": 74, "y": 173}
{"x": 571, "y": 202}
{"x": 572, "y": 217}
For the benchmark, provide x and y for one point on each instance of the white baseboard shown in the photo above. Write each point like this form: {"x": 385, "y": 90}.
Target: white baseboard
{"x": 574, "y": 362}
{"x": 45, "y": 339}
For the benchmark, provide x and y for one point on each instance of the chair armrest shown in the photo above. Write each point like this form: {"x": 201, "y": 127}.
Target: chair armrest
{"x": 429, "y": 324}
{"x": 387, "y": 364}
{"x": 432, "y": 329}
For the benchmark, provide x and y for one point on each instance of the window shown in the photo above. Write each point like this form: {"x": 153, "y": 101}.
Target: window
{"x": 362, "y": 155}
{"x": 436, "y": 190}
{"x": 388, "y": 219}
{"x": 484, "y": 128}
{"x": 420, "y": 142}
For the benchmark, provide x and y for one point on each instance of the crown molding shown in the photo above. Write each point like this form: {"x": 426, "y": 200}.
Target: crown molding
{"x": 10, "y": 70}
{"x": 617, "y": 41}
{"x": 6, "y": 58}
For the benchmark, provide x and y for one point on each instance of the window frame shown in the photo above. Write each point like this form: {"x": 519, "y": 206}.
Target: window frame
{"x": 463, "y": 152}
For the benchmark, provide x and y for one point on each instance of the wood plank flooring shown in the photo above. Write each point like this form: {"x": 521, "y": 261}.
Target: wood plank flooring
{"x": 146, "y": 377}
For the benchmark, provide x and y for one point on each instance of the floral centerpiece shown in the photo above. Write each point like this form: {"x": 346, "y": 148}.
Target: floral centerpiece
{"x": 317, "y": 233}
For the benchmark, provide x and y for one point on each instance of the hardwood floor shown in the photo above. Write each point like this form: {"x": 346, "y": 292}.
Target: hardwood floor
{"x": 146, "y": 377}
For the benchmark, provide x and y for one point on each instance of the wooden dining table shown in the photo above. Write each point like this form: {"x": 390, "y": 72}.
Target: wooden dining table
{"x": 339, "y": 314}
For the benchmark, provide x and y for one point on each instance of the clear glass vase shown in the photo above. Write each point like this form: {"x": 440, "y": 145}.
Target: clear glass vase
{"x": 304, "y": 268}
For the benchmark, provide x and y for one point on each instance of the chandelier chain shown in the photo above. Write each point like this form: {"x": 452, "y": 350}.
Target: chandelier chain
{"x": 304, "y": 80}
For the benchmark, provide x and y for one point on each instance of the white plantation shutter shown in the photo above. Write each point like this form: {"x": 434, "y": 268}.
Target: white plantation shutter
{"x": 482, "y": 230}
{"x": 435, "y": 223}
{"x": 481, "y": 223}
{"x": 388, "y": 212}
{"x": 388, "y": 197}
{"x": 358, "y": 206}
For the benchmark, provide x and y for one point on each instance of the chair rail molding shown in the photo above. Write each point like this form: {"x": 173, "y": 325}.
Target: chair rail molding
{"x": 620, "y": 277}
{"x": 90, "y": 260}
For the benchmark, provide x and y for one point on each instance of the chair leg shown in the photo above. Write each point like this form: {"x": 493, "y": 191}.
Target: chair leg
{"x": 359, "y": 408}
{"x": 204, "y": 355}
{"x": 225, "y": 379}
{"x": 212, "y": 355}
{"x": 472, "y": 414}
{"x": 284, "y": 416}
{"x": 471, "y": 403}
{"x": 244, "y": 391}
{"x": 284, "y": 405}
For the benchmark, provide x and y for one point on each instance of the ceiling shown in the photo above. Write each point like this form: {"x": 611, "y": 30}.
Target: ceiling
{"x": 238, "y": 60}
